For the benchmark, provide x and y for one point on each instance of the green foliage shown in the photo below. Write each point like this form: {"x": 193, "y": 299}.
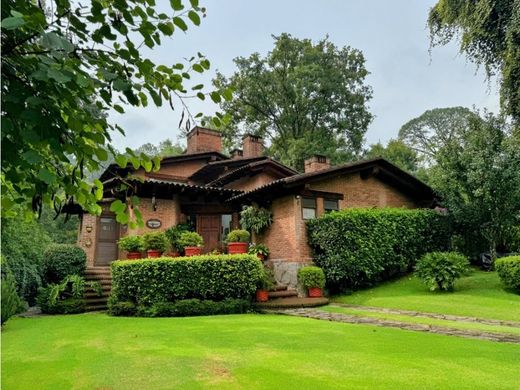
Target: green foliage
{"x": 213, "y": 277}
{"x": 65, "y": 297}
{"x": 173, "y": 235}
{"x": 508, "y": 268}
{"x": 266, "y": 281}
{"x": 62, "y": 229}
{"x": 488, "y": 32}
{"x": 255, "y": 219}
{"x": 155, "y": 241}
{"x": 361, "y": 247}
{"x": 11, "y": 303}
{"x": 440, "y": 270}
{"x": 307, "y": 98}
{"x": 121, "y": 308}
{"x": 65, "y": 66}
{"x": 189, "y": 239}
{"x": 397, "y": 153}
{"x": 238, "y": 235}
{"x": 260, "y": 249}
{"x": 196, "y": 307}
{"x": 165, "y": 148}
{"x": 131, "y": 243}
{"x": 96, "y": 287}
{"x": 62, "y": 260}
{"x": 311, "y": 277}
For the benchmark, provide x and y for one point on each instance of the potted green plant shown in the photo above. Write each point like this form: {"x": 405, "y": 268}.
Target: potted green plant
{"x": 155, "y": 244}
{"x": 260, "y": 250}
{"x": 255, "y": 219}
{"x": 237, "y": 241}
{"x": 265, "y": 283}
{"x": 133, "y": 245}
{"x": 313, "y": 279}
{"x": 191, "y": 243}
{"x": 172, "y": 235}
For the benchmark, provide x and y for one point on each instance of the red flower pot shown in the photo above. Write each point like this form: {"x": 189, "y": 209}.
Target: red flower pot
{"x": 192, "y": 251}
{"x": 237, "y": 247}
{"x": 315, "y": 292}
{"x": 154, "y": 253}
{"x": 133, "y": 255}
{"x": 262, "y": 295}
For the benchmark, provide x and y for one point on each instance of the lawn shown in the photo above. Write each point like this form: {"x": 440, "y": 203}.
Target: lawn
{"x": 243, "y": 351}
{"x": 479, "y": 294}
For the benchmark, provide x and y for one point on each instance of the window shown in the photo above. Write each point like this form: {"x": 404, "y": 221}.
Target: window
{"x": 330, "y": 205}
{"x": 225, "y": 225}
{"x": 308, "y": 208}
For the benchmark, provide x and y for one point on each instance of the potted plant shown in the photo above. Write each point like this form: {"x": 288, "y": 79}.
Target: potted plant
{"x": 313, "y": 279}
{"x": 265, "y": 283}
{"x": 260, "y": 250}
{"x": 133, "y": 245}
{"x": 172, "y": 235}
{"x": 255, "y": 219}
{"x": 237, "y": 241}
{"x": 191, "y": 243}
{"x": 155, "y": 244}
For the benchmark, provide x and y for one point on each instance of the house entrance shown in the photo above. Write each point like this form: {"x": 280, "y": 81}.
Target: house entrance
{"x": 106, "y": 249}
{"x": 213, "y": 228}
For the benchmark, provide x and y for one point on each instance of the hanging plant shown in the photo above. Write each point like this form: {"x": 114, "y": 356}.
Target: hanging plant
{"x": 255, "y": 219}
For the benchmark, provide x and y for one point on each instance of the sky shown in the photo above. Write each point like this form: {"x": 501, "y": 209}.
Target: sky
{"x": 405, "y": 77}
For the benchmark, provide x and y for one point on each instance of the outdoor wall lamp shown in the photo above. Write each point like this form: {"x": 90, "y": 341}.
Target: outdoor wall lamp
{"x": 154, "y": 203}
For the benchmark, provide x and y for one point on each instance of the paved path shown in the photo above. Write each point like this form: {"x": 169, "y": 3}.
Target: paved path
{"x": 352, "y": 319}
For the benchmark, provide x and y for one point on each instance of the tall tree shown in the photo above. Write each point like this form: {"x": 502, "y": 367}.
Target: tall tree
{"x": 397, "y": 152}
{"x": 305, "y": 98}
{"x": 489, "y": 35}
{"x": 165, "y": 148}
{"x": 63, "y": 68}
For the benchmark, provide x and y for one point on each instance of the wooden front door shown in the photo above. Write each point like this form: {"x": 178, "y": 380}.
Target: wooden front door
{"x": 208, "y": 226}
{"x": 106, "y": 246}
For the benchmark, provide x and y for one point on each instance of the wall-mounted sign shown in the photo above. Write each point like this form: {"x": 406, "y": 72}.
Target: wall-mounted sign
{"x": 153, "y": 223}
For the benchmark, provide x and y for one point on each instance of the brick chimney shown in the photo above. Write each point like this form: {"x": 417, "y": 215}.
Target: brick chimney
{"x": 201, "y": 139}
{"x": 316, "y": 163}
{"x": 253, "y": 146}
{"x": 236, "y": 153}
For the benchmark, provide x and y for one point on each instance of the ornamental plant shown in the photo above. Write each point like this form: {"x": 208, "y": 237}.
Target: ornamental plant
{"x": 439, "y": 270}
{"x": 173, "y": 234}
{"x": 155, "y": 241}
{"x": 187, "y": 239}
{"x": 311, "y": 277}
{"x": 131, "y": 243}
{"x": 259, "y": 249}
{"x": 238, "y": 235}
{"x": 62, "y": 260}
{"x": 508, "y": 269}
{"x": 267, "y": 281}
{"x": 255, "y": 219}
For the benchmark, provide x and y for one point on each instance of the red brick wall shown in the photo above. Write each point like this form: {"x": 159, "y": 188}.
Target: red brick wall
{"x": 204, "y": 140}
{"x": 87, "y": 240}
{"x": 252, "y": 146}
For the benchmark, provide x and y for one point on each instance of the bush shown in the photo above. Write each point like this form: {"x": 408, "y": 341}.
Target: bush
{"x": 121, "y": 308}
{"x": 311, "y": 277}
{"x": 213, "y": 277}
{"x": 360, "y": 247}
{"x": 238, "y": 235}
{"x": 131, "y": 243}
{"x": 62, "y": 260}
{"x": 173, "y": 235}
{"x": 190, "y": 239}
{"x": 508, "y": 268}
{"x": 196, "y": 307}
{"x": 439, "y": 270}
{"x": 255, "y": 219}
{"x": 267, "y": 280}
{"x": 26, "y": 275}
{"x": 63, "y": 298}
{"x": 155, "y": 241}
{"x": 11, "y": 303}
{"x": 258, "y": 249}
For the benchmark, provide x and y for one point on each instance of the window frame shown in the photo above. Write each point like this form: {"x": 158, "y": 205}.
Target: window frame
{"x": 328, "y": 210}
{"x": 304, "y": 207}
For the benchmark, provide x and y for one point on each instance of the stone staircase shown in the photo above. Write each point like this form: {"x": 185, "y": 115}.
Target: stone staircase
{"x": 104, "y": 277}
{"x": 282, "y": 297}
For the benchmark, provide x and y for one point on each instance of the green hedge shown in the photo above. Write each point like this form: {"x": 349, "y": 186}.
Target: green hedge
{"x": 209, "y": 277}
{"x": 361, "y": 247}
{"x": 508, "y": 268}
{"x": 62, "y": 260}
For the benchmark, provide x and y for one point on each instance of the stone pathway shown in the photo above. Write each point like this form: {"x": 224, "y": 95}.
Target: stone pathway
{"x": 352, "y": 319}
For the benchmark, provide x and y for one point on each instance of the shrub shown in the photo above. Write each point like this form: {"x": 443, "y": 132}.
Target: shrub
{"x": 311, "y": 277}
{"x": 255, "y": 219}
{"x": 62, "y": 260}
{"x": 155, "y": 241}
{"x": 131, "y": 243}
{"x": 63, "y": 298}
{"x": 267, "y": 280}
{"x": 360, "y": 247}
{"x": 11, "y": 303}
{"x": 238, "y": 235}
{"x": 190, "y": 239}
{"x": 258, "y": 249}
{"x": 173, "y": 235}
{"x": 121, "y": 308}
{"x": 26, "y": 275}
{"x": 508, "y": 268}
{"x": 439, "y": 270}
{"x": 196, "y": 307}
{"x": 213, "y": 277}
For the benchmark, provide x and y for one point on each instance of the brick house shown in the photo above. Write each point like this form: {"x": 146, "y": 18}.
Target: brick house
{"x": 207, "y": 189}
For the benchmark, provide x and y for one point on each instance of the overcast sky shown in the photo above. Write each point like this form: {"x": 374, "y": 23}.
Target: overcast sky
{"x": 393, "y": 36}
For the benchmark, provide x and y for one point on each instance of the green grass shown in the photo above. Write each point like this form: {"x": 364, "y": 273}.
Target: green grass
{"x": 477, "y": 295}
{"x": 94, "y": 351}
{"x": 423, "y": 320}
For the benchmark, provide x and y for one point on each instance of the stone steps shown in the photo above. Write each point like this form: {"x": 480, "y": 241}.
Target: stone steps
{"x": 282, "y": 294}
{"x": 103, "y": 276}
{"x": 292, "y": 302}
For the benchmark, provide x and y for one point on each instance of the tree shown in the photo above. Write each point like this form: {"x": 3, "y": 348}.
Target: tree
{"x": 434, "y": 129}
{"x": 305, "y": 98}
{"x": 63, "y": 68}
{"x": 165, "y": 148}
{"x": 396, "y": 152}
{"x": 479, "y": 181}
{"x": 489, "y": 34}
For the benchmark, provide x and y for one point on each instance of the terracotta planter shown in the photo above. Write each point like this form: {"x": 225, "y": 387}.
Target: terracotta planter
{"x": 262, "y": 295}
{"x": 192, "y": 251}
{"x": 154, "y": 253}
{"x": 315, "y": 292}
{"x": 237, "y": 247}
{"x": 133, "y": 255}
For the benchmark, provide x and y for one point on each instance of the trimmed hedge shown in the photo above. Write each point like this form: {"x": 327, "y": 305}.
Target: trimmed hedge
{"x": 361, "y": 247}
{"x": 508, "y": 268}
{"x": 208, "y": 277}
{"x": 62, "y": 260}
